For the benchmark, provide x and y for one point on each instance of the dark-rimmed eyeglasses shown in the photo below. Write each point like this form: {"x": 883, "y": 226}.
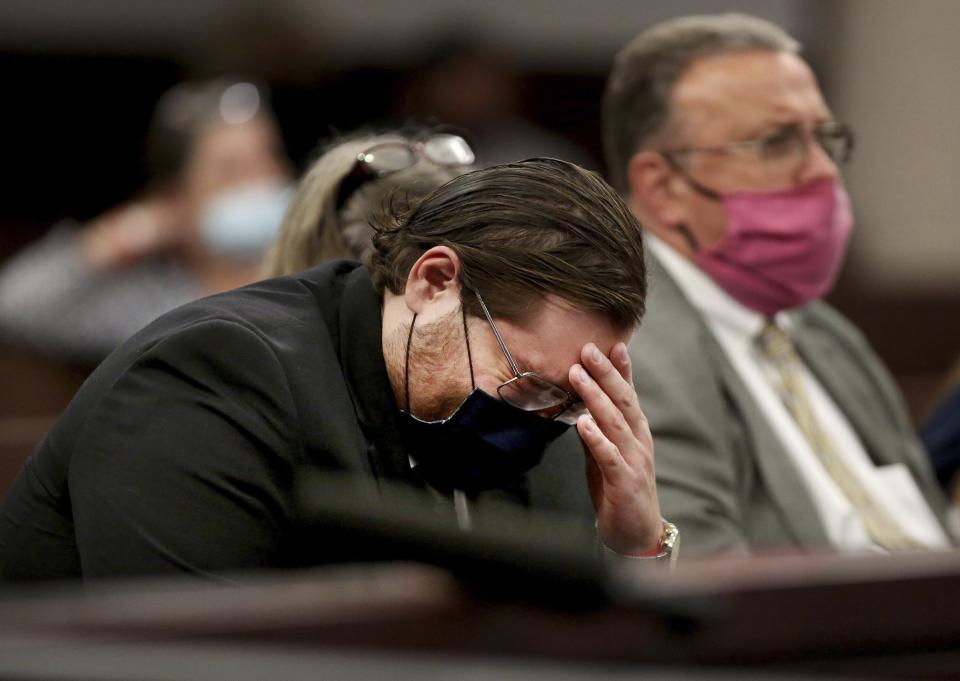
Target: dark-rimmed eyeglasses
{"x": 387, "y": 158}
{"x": 789, "y": 145}
{"x": 531, "y": 392}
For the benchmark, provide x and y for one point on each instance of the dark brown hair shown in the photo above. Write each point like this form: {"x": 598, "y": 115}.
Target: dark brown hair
{"x": 524, "y": 231}
{"x": 636, "y": 104}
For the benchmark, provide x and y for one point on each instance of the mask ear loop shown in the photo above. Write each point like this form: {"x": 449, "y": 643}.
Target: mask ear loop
{"x": 688, "y": 237}
{"x": 680, "y": 170}
{"x": 466, "y": 336}
{"x": 697, "y": 187}
{"x": 406, "y": 366}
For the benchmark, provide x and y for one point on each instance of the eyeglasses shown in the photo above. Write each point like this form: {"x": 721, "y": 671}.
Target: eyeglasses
{"x": 530, "y": 391}
{"x": 788, "y": 147}
{"x": 387, "y": 158}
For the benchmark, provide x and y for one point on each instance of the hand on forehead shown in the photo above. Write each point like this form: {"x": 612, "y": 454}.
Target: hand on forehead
{"x": 550, "y": 341}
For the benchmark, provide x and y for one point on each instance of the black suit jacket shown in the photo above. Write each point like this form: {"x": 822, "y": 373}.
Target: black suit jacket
{"x": 182, "y": 450}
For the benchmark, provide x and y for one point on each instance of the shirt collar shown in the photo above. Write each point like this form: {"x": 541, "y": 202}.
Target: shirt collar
{"x": 718, "y": 307}
{"x": 361, "y": 354}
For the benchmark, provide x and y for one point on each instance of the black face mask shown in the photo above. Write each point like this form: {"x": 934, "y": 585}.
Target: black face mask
{"x": 484, "y": 444}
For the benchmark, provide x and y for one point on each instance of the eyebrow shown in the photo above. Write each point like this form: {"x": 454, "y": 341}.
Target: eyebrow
{"x": 526, "y": 366}
{"x": 772, "y": 127}
{"x": 768, "y": 129}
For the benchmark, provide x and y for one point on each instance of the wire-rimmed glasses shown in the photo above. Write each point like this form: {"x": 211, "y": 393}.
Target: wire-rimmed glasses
{"x": 529, "y": 391}
{"x": 788, "y": 146}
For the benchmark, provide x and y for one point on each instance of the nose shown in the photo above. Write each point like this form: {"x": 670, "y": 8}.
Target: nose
{"x": 816, "y": 164}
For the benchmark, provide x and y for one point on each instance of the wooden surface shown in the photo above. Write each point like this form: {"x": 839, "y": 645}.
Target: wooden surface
{"x": 879, "y": 617}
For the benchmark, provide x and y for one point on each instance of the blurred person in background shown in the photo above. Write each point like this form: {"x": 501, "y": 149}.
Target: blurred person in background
{"x": 775, "y": 424}
{"x": 464, "y": 84}
{"x": 215, "y": 198}
{"x": 332, "y": 210}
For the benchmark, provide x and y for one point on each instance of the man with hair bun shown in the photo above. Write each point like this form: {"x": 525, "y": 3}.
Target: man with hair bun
{"x": 492, "y": 317}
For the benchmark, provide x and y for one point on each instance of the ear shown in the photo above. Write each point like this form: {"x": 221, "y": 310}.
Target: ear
{"x": 433, "y": 284}
{"x": 655, "y": 189}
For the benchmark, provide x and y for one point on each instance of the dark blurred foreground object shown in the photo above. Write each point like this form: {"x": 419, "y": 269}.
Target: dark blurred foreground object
{"x": 498, "y": 607}
{"x": 506, "y": 551}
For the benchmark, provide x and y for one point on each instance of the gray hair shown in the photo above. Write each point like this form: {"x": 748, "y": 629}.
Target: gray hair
{"x": 636, "y": 104}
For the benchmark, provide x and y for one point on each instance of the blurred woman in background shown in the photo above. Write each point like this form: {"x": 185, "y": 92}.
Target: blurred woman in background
{"x": 330, "y": 214}
{"x": 217, "y": 191}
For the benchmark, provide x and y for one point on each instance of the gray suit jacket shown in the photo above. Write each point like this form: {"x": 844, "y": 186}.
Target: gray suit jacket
{"x": 722, "y": 474}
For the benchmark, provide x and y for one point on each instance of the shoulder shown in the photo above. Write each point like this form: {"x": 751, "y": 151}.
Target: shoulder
{"x": 273, "y": 309}
{"x": 272, "y": 335}
{"x": 672, "y": 338}
{"x": 822, "y": 318}
{"x": 843, "y": 349}
{"x": 824, "y": 328}
{"x": 678, "y": 367}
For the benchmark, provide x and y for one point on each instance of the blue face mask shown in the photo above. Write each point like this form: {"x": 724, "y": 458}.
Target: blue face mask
{"x": 484, "y": 444}
{"x": 241, "y": 223}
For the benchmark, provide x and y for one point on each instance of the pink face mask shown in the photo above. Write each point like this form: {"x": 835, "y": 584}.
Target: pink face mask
{"x": 782, "y": 248}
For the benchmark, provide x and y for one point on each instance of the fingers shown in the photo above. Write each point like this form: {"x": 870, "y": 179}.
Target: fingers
{"x": 610, "y": 395}
{"x": 604, "y": 453}
{"x": 621, "y": 360}
{"x": 617, "y": 438}
{"x": 607, "y": 436}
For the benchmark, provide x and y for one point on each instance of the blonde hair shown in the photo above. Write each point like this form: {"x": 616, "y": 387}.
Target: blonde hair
{"x": 313, "y": 231}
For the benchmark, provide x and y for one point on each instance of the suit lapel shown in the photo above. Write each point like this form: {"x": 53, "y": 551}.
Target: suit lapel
{"x": 361, "y": 354}
{"x": 852, "y": 394}
{"x": 774, "y": 464}
{"x": 844, "y": 378}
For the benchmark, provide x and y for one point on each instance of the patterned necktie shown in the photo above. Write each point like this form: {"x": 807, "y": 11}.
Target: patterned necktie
{"x": 778, "y": 348}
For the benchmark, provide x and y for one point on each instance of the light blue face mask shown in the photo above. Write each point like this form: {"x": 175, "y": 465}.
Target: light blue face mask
{"x": 241, "y": 223}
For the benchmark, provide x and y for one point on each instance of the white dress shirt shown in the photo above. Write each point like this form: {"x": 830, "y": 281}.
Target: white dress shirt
{"x": 736, "y": 327}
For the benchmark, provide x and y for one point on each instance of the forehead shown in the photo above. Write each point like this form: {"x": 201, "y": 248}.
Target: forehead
{"x": 550, "y": 341}
{"x": 720, "y": 98}
{"x": 224, "y": 139}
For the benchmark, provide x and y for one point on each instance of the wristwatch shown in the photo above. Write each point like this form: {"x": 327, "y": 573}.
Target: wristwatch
{"x": 669, "y": 542}
{"x": 667, "y": 548}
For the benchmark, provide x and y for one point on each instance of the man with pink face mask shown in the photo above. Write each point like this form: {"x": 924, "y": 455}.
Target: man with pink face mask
{"x": 775, "y": 425}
